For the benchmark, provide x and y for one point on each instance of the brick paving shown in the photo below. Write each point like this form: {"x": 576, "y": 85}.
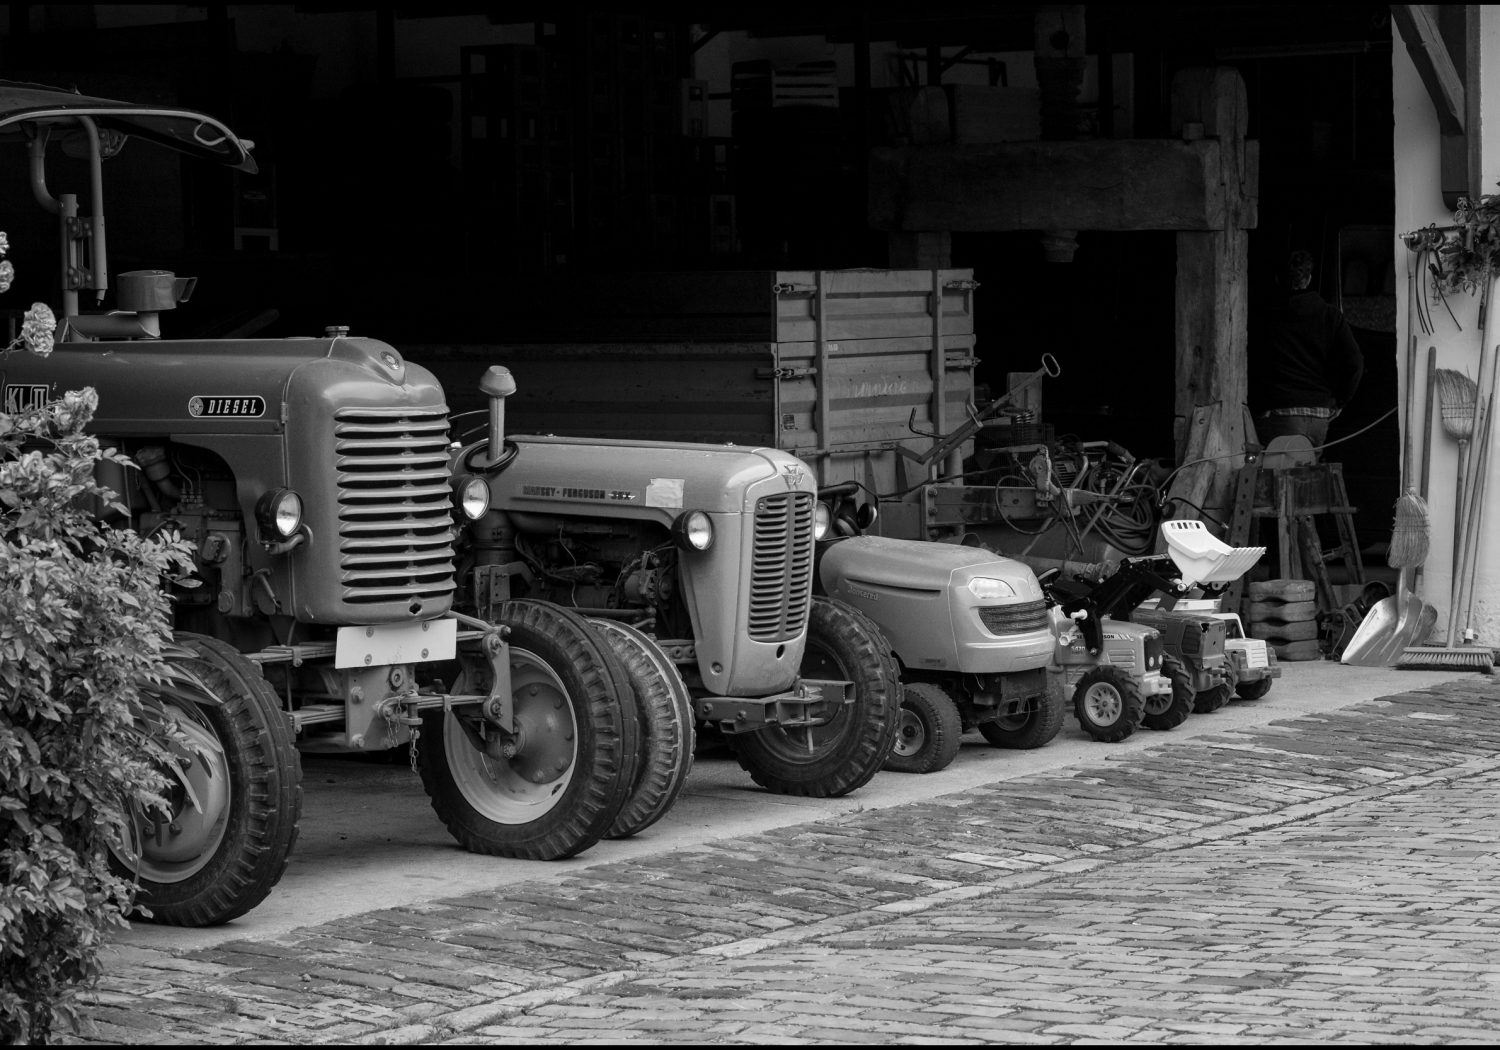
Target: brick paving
{"x": 1328, "y": 878}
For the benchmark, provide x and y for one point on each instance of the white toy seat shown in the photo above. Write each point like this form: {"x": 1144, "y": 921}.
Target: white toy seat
{"x": 1202, "y": 557}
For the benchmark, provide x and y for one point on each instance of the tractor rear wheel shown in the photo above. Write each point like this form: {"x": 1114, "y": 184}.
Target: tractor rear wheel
{"x": 1169, "y": 710}
{"x": 928, "y": 731}
{"x": 843, "y": 752}
{"x": 235, "y": 804}
{"x": 1108, "y": 704}
{"x": 556, "y": 785}
{"x": 667, "y": 738}
{"x": 1035, "y": 727}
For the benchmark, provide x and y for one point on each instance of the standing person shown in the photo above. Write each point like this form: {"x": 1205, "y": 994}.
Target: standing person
{"x": 1305, "y": 363}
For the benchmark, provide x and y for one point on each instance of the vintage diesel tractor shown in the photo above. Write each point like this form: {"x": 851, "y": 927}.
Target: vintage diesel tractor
{"x": 708, "y": 550}
{"x": 314, "y": 478}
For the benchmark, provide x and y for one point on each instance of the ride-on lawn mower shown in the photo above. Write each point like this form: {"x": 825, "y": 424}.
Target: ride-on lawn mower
{"x": 969, "y": 629}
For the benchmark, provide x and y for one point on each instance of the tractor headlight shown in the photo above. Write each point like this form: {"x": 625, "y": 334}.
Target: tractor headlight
{"x": 693, "y": 531}
{"x": 279, "y": 513}
{"x": 987, "y": 590}
{"x": 471, "y": 496}
{"x": 822, "y": 519}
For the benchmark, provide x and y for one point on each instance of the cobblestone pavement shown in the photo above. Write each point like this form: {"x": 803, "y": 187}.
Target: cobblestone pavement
{"x": 1324, "y": 878}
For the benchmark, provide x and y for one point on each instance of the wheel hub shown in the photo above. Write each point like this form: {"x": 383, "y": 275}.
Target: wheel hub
{"x": 1103, "y": 704}
{"x": 175, "y": 848}
{"x": 910, "y": 735}
{"x": 544, "y": 736}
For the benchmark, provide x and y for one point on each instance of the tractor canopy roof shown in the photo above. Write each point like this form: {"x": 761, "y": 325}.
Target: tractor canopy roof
{"x": 31, "y": 106}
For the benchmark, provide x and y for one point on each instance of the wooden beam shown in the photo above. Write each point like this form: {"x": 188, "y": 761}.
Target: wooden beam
{"x": 1117, "y": 185}
{"x": 1434, "y": 64}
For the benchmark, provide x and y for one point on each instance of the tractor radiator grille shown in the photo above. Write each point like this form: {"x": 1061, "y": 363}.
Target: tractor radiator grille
{"x": 1021, "y": 618}
{"x": 395, "y": 518}
{"x": 781, "y": 566}
{"x": 1152, "y": 651}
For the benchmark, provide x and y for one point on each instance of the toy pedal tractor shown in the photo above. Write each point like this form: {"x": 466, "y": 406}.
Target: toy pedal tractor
{"x": 1200, "y": 667}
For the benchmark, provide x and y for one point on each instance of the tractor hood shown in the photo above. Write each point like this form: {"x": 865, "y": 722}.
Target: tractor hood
{"x": 654, "y": 480}
{"x": 943, "y": 607}
{"x": 188, "y": 131}
{"x": 187, "y": 387}
{"x": 920, "y": 565}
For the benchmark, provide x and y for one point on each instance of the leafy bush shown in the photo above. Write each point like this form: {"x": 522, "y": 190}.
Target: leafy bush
{"x": 84, "y": 629}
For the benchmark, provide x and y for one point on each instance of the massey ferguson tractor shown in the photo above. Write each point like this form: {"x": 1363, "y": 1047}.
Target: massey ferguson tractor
{"x": 709, "y": 550}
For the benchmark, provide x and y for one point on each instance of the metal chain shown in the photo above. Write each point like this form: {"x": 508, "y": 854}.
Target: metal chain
{"x": 393, "y": 728}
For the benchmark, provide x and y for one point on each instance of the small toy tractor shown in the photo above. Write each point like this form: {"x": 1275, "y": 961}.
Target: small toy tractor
{"x": 1250, "y": 663}
{"x": 1197, "y": 659}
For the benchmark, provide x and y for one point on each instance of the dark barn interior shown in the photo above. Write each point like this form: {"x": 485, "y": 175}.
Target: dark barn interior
{"x": 365, "y": 214}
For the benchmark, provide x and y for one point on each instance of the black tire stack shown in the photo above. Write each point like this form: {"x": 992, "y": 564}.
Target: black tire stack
{"x": 1285, "y": 614}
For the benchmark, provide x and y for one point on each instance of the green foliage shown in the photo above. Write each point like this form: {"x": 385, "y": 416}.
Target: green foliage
{"x": 84, "y": 633}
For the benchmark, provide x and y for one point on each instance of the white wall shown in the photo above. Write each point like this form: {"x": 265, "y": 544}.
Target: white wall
{"x": 1419, "y": 203}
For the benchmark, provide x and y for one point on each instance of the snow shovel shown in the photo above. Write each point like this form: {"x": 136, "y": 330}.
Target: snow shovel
{"x": 1389, "y": 627}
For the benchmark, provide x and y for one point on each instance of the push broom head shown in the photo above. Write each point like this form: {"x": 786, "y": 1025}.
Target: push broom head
{"x": 1457, "y": 394}
{"x": 1441, "y": 658}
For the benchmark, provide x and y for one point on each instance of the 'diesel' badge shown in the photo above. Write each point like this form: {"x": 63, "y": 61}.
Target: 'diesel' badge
{"x": 244, "y": 406}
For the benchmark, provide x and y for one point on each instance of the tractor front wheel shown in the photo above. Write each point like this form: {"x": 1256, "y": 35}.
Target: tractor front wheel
{"x": 1108, "y": 704}
{"x": 1253, "y": 690}
{"x": 667, "y": 738}
{"x": 928, "y": 733}
{"x": 236, "y": 800}
{"x": 554, "y": 786}
{"x": 845, "y": 750}
{"x": 1032, "y": 728}
{"x": 1170, "y": 710}
{"x": 1215, "y": 697}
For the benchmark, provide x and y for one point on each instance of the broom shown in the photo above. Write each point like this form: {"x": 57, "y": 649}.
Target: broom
{"x": 1458, "y": 394}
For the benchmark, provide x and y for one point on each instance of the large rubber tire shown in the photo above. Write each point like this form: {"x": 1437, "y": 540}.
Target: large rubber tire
{"x": 1108, "y": 704}
{"x": 1169, "y": 711}
{"x": 928, "y": 732}
{"x": 667, "y": 737}
{"x": 842, "y": 754}
{"x": 573, "y": 708}
{"x": 1253, "y": 690}
{"x": 215, "y": 864}
{"x": 1210, "y": 700}
{"x": 1042, "y": 721}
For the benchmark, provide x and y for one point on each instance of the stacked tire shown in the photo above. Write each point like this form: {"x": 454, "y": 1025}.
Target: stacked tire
{"x": 1285, "y": 614}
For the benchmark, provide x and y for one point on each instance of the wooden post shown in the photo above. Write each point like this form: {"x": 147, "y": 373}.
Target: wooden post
{"x": 1212, "y": 300}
